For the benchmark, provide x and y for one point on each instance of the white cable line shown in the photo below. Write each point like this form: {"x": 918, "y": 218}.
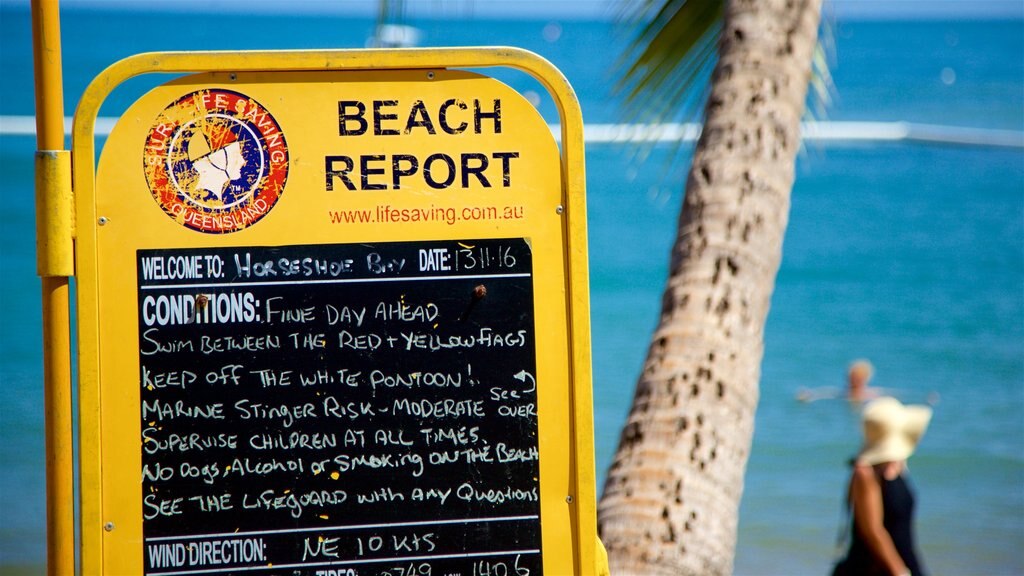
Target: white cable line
{"x": 835, "y": 131}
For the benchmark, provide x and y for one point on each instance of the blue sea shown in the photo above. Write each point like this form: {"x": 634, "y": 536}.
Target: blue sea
{"x": 908, "y": 254}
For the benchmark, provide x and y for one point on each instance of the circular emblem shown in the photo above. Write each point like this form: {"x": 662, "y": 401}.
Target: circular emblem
{"x": 216, "y": 161}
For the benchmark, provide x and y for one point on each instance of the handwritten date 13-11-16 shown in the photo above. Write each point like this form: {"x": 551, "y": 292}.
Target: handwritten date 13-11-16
{"x": 484, "y": 258}
{"x": 466, "y": 258}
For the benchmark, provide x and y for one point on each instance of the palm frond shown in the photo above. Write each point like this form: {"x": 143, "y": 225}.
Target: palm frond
{"x": 671, "y": 56}
{"x": 822, "y": 89}
{"x": 665, "y": 69}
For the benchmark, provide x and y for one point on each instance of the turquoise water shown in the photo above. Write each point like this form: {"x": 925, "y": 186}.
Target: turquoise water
{"x": 910, "y": 255}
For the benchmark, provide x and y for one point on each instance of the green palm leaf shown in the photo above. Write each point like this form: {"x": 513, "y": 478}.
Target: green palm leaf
{"x": 670, "y": 57}
{"x": 664, "y": 71}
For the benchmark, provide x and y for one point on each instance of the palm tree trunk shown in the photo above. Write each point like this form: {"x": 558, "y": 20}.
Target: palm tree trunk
{"x": 671, "y": 499}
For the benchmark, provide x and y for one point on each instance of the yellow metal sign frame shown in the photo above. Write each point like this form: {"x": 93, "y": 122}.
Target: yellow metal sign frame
{"x": 580, "y": 493}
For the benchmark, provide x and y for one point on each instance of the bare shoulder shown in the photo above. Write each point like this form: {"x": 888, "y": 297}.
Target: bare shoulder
{"x": 865, "y": 491}
{"x": 864, "y": 475}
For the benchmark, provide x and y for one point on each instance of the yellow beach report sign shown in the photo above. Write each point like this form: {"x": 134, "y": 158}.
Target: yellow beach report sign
{"x": 335, "y": 331}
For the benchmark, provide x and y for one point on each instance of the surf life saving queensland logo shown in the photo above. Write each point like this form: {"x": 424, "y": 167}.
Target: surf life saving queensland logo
{"x": 216, "y": 161}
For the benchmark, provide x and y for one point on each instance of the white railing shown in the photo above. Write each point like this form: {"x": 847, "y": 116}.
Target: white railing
{"x": 814, "y": 131}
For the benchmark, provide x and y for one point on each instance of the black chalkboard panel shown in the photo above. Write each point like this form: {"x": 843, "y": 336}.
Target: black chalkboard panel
{"x": 341, "y": 409}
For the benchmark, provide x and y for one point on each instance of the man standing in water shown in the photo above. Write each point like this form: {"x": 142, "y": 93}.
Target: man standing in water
{"x": 857, "y": 390}
{"x": 858, "y": 376}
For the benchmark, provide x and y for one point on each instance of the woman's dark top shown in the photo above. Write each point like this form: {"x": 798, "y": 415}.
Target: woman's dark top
{"x": 898, "y": 519}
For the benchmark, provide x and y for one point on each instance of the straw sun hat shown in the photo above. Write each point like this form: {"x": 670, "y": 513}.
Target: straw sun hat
{"x": 891, "y": 430}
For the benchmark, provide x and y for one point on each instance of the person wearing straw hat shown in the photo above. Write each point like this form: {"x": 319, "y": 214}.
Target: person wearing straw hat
{"x": 880, "y": 496}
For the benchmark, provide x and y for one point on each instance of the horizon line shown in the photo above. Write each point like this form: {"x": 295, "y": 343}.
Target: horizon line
{"x": 600, "y": 10}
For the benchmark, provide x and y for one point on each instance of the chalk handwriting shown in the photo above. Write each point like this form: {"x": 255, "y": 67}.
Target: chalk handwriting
{"x": 337, "y": 399}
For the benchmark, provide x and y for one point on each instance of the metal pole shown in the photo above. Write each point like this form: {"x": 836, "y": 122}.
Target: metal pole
{"x": 60, "y": 533}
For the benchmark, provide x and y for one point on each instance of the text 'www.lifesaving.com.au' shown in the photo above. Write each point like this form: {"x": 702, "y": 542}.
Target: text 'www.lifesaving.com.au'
{"x": 434, "y": 214}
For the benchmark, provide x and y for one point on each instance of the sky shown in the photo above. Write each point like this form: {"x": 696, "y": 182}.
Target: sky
{"x": 576, "y": 9}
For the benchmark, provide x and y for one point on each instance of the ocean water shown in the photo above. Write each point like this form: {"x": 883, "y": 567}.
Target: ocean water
{"x": 910, "y": 255}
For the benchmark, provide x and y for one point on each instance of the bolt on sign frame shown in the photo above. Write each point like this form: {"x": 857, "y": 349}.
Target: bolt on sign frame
{"x": 333, "y": 318}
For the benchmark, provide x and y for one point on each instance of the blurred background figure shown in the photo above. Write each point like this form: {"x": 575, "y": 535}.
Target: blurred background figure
{"x": 858, "y": 376}
{"x": 880, "y": 495}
